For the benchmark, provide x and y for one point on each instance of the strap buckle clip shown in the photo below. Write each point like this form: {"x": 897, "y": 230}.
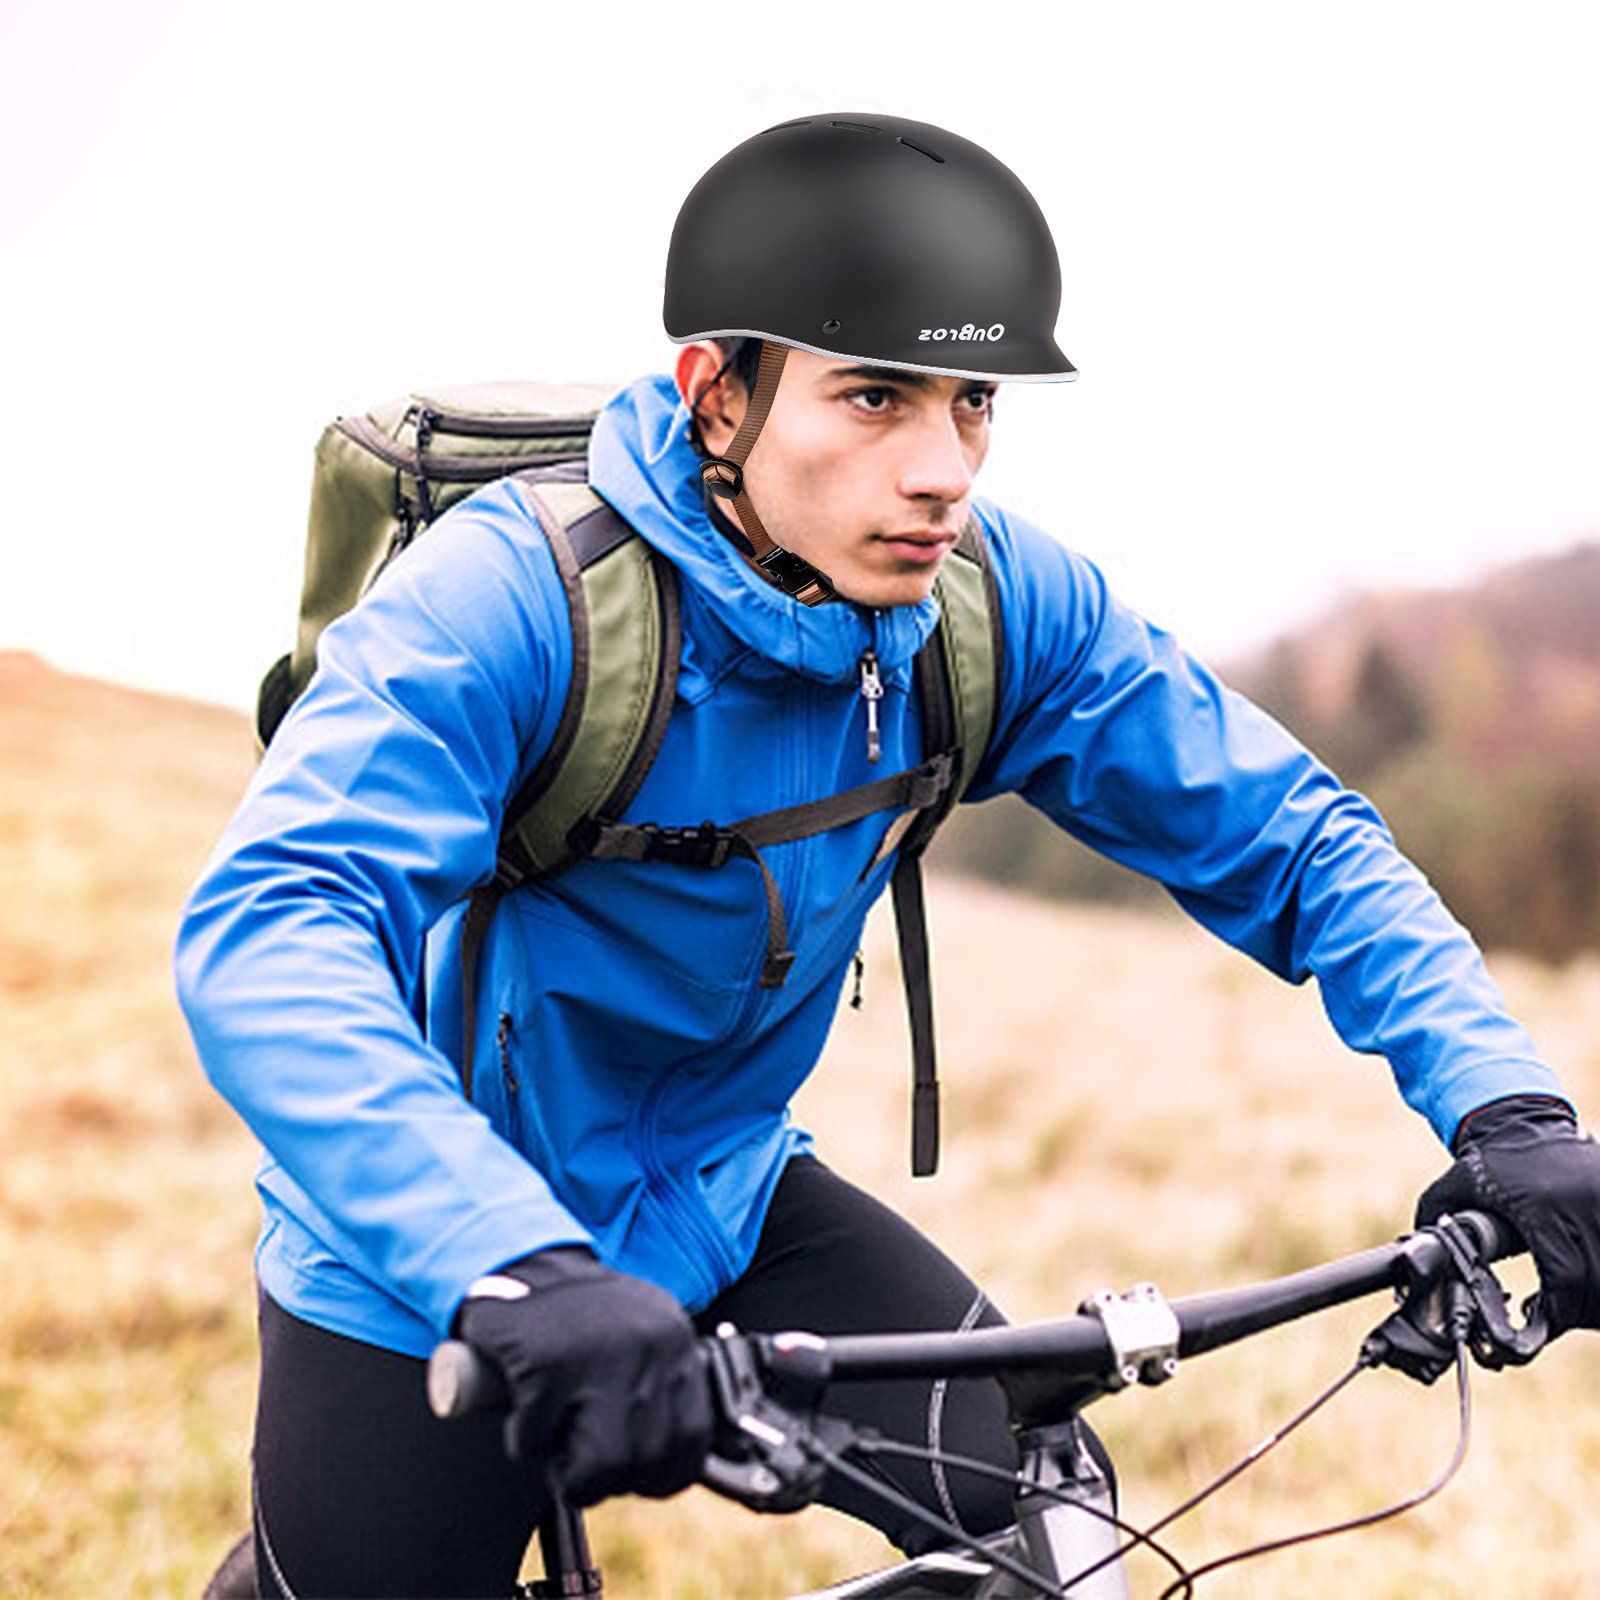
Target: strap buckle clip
{"x": 791, "y": 573}
{"x": 705, "y": 846}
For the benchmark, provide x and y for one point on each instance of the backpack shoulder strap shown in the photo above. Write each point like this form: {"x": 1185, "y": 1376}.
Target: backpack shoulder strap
{"x": 622, "y": 601}
{"x": 957, "y": 678}
{"x": 959, "y": 668}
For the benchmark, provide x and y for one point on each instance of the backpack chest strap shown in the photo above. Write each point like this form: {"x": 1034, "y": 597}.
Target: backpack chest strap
{"x": 709, "y": 846}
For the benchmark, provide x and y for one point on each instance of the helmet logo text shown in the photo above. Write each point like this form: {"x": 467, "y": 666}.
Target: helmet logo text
{"x": 967, "y": 333}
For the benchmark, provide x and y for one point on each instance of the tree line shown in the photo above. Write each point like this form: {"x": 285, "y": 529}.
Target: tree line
{"x": 1507, "y": 830}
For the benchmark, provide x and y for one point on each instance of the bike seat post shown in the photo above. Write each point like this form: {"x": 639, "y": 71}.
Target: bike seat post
{"x": 1060, "y": 1539}
{"x": 564, "y": 1551}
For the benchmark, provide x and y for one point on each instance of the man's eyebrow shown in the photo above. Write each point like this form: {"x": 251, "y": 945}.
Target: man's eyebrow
{"x": 912, "y": 380}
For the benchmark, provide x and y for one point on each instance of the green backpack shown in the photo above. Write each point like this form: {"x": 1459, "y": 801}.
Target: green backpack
{"x": 382, "y": 478}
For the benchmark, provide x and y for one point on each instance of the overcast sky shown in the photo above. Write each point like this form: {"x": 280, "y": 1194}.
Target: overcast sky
{"x": 1330, "y": 275}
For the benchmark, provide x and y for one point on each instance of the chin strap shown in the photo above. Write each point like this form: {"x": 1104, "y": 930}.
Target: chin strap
{"x": 724, "y": 476}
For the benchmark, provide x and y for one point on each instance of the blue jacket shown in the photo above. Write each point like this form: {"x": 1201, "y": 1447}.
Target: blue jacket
{"x": 642, "y": 1105}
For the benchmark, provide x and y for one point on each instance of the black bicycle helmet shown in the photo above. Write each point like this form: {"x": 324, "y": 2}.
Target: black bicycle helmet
{"x": 870, "y": 238}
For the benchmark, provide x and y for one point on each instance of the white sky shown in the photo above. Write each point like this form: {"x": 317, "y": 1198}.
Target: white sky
{"x": 1332, "y": 275}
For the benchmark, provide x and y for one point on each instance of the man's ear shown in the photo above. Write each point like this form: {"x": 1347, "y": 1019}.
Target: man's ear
{"x": 717, "y": 403}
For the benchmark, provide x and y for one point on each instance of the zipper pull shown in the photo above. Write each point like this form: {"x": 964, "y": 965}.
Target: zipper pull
{"x": 502, "y": 1037}
{"x": 427, "y": 420}
{"x": 872, "y": 693}
{"x": 861, "y": 967}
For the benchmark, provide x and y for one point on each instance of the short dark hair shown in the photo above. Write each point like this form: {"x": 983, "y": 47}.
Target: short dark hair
{"x": 745, "y": 359}
{"x": 742, "y": 358}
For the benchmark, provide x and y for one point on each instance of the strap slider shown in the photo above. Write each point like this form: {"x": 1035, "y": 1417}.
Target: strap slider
{"x": 705, "y": 846}
{"x": 724, "y": 478}
{"x": 775, "y": 969}
{"x": 926, "y": 785}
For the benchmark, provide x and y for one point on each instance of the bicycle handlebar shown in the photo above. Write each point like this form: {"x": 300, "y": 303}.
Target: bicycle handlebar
{"x": 460, "y": 1380}
{"x": 1080, "y": 1345}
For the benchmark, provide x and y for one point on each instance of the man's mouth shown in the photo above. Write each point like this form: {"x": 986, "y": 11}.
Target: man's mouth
{"x": 923, "y": 545}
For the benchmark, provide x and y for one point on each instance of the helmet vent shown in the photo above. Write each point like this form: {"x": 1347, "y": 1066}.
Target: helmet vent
{"x": 802, "y": 122}
{"x": 857, "y": 127}
{"x": 920, "y": 151}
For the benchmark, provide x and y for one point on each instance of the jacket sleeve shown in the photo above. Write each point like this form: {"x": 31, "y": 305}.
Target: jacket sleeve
{"x": 1134, "y": 748}
{"x": 299, "y": 952}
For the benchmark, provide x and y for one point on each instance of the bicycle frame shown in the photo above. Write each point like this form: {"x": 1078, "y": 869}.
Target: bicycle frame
{"x": 1051, "y": 1535}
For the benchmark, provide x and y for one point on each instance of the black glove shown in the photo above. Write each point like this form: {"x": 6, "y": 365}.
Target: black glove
{"x": 610, "y": 1391}
{"x": 1524, "y": 1159}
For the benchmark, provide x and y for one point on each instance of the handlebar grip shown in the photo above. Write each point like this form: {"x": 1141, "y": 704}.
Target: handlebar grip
{"x": 1497, "y": 1238}
{"x": 461, "y": 1380}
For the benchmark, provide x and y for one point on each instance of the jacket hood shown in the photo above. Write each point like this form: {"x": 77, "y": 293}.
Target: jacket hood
{"x": 641, "y": 461}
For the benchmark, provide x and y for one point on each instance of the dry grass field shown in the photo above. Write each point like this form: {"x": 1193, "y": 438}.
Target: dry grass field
{"x": 1125, "y": 1099}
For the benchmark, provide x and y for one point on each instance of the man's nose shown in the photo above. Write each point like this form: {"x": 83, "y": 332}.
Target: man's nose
{"x": 936, "y": 465}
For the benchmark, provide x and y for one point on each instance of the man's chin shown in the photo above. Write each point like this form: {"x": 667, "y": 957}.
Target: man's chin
{"x": 870, "y": 587}
{"x": 907, "y": 589}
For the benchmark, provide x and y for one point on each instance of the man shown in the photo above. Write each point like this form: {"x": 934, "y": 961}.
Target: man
{"x": 848, "y": 294}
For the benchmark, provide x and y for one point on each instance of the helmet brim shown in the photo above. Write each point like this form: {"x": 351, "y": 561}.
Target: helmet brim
{"x": 1043, "y": 357}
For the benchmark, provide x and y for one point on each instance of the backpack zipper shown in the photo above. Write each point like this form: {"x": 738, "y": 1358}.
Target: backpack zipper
{"x": 437, "y": 421}
{"x": 861, "y": 967}
{"x": 446, "y": 469}
{"x": 406, "y": 526}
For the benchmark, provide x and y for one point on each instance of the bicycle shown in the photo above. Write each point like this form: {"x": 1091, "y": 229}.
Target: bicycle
{"x": 774, "y": 1442}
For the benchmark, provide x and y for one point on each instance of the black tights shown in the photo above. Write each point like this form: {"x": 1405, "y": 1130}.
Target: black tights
{"x": 360, "y": 1490}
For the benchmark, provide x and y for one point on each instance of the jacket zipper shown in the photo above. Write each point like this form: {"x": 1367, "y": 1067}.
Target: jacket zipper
{"x": 673, "y": 1195}
{"x": 502, "y": 1037}
{"x": 872, "y": 693}
{"x": 666, "y": 1188}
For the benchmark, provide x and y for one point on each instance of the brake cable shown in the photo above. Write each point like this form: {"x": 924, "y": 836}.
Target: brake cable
{"x": 1182, "y": 1587}
{"x": 1249, "y": 1459}
{"x": 863, "y": 1479}
{"x": 1367, "y": 1518}
{"x": 957, "y": 1536}
{"x": 1473, "y": 1318}
{"x": 876, "y": 1445}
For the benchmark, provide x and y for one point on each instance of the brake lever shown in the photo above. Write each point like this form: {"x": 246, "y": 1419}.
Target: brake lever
{"x": 766, "y": 1455}
{"x": 1494, "y": 1340}
{"x": 1419, "y": 1338}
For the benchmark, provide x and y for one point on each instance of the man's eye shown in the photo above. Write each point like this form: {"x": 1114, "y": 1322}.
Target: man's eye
{"x": 983, "y": 398}
{"x": 861, "y": 394}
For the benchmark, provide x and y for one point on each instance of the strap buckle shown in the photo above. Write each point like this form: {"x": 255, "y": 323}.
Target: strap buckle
{"x": 705, "y": 846}
{"x": 791, "y": 573}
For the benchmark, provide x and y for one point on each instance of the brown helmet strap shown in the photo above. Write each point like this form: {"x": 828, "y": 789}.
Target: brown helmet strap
{"x": 724, "y": 477}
